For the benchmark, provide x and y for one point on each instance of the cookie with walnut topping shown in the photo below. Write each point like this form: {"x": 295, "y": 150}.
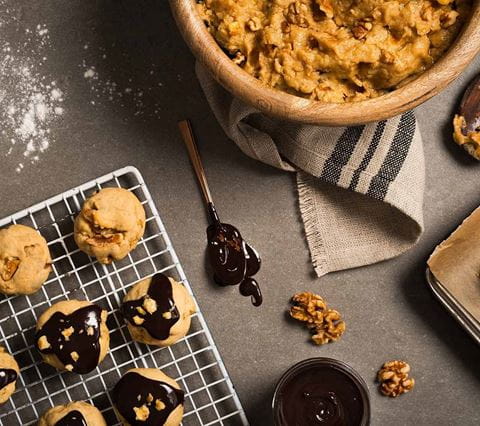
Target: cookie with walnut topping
{"x": 25, "y": 261}
{"x": 158, "y": 310}
{"x": 148, "y": 397}
{"x": 110, "y": 224}
{"x": 73, "y": 335}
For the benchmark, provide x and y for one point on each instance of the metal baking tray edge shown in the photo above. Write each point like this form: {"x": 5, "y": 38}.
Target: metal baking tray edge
{"x": 456, "y": 310}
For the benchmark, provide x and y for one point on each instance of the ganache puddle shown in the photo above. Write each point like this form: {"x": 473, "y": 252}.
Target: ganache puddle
{"x": 233, "y": 260}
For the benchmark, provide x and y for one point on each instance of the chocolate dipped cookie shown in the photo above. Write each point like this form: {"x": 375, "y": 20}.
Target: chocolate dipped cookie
{"x": 9, "y": 372}
{"x": 158, "y": 311}
{"x": 72, "y": 335}
{"x": 76, "y": 413}
{"x": 110, "y": 224}
{"x": 148, "y": 397}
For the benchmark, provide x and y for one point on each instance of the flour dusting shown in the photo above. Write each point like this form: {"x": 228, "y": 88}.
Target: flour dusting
{"x": 30, "y": 103}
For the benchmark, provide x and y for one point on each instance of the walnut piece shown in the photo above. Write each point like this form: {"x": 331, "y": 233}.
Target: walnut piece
{"x": 159, "y": 405}
{"x": 10, "y": 266}
{"x": 326, "y": 325}
{"x": 330, "y": 330}
{"x": 43, "y": 343}
{"x": 68, "y": 332}
{"x": 141, "y": 413}
{"x": 149, "y": 304}
{"x": 394, "y": 380}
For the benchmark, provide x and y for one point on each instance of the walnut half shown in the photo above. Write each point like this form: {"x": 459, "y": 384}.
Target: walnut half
{"x": 394, "y": 380}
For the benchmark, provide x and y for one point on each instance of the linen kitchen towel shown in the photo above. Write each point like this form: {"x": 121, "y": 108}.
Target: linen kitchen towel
{"x": 360, "y": 188}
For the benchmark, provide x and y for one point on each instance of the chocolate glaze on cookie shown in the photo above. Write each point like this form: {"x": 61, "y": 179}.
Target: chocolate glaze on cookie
{"x": 74, "y": 418}
{"x": 134, "y": 390}
{"x": 158, "y": 323}
{"x": 84, "y": 339}
{"x": 7, "y": 376}
{"x": 233, "y": 260}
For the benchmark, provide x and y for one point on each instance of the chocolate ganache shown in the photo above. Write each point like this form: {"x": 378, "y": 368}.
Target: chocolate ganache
{"x": 77, "y": 333}
{"x": 74, "y": 418}
{"x": 135, "y": 391}
{"x": 156, "y": 322}
{"x": 7, "y": 376}
{"x": 321, "y": 394}
{"x": 233, "y": 260}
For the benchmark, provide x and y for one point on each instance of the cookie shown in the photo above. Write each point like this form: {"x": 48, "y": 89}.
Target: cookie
{"x": 76, "y": 413}
{"x": 72, "y": 335}
{"x": 110, "y": 224}
{"x": 148, "y": 397}
{"x": 24, "y": 260}
{"x": 158, "y": 311}
{"x": 9, "y": 372}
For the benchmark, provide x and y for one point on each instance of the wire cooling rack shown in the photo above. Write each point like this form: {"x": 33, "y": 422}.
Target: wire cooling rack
{"x": 194, "y": 361}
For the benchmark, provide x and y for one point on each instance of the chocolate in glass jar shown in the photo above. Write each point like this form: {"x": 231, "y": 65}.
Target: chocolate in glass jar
{"x": 321, "y": 391}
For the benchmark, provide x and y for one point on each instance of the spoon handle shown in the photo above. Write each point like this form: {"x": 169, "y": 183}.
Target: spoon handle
{"x": 189, "y": 139}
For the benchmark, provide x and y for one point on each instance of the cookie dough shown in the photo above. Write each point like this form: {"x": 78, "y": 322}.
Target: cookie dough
{"x": 469, "y": 140}
{"x": 72, "y": 335}
{"x": 148, "y": 397}
{"x": 335, "y": 50}
{"x": 158, "y": 311}
{"x": 75, "y": 413}
{"x": 110, "y": 224}
{"x": 9, "y": 372}
{"x": 24, "y": 260}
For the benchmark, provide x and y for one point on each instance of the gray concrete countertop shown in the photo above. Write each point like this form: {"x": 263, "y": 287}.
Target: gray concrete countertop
{"x": 389, "y": 310}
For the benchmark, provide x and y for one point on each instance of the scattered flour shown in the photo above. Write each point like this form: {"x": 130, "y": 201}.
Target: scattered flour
{"x": 105, "y": 88}
{"x": 30, "y": 103}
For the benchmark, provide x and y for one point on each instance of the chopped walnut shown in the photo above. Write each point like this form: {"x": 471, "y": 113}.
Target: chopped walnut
{"x": 74, "y": 355}
{"x": 90, "y": 331}
{"x": 43, "y": 343}
{"x": 150, "y": 305}
{"x": 10, "y": 266}
{"x": 68, "y": 332}
{"x": 149, "y": 398}
{"x": 69, "y": 367}
{"x": 137, "y": 320}
{"x": 141, "y": 413}
{"x": 159, "y": 405}
{"x": 394, "y": 380}
{"x": 361, "y": 30}
{"x": 326, "y": 325}
{"x": 167, "y": 315}
{"x": 295, "y": 14}
{"x": 141, "y": 311}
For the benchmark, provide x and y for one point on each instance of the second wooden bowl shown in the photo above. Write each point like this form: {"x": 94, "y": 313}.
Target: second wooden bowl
{"x": 279, "y": 104}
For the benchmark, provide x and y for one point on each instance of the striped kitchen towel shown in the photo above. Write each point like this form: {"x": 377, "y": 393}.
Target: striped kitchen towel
{"x": 360, "y": 188}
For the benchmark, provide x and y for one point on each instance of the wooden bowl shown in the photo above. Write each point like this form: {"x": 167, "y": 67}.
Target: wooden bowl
{"x": 280, "y": 104}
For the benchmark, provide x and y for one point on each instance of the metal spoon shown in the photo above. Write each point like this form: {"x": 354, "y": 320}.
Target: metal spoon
{"x": 233, "y": 260}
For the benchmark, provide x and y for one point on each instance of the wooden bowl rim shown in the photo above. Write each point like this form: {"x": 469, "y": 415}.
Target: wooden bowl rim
{"x": 293, "y": 108}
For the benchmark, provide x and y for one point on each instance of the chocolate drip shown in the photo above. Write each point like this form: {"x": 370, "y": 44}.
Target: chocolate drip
{"x": 159, "y": 322}
{"x": 74, "y": 418}
{"x": 74, "y": 338}
{"x": 7, "y": 376}
{"x": 233, "y": 260}
{"x": 321, "y": 396}
{"x": 135, "y": 391}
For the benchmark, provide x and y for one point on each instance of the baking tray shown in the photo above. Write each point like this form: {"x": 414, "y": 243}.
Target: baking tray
{"x": 194, "y": 361}
{"x": 464, "y": 318}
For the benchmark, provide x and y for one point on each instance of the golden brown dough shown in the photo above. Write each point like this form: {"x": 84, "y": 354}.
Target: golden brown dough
{"x": 110, "y": 224}
{"x": 334, "y": 50}
{"x": 24, "y": 260}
